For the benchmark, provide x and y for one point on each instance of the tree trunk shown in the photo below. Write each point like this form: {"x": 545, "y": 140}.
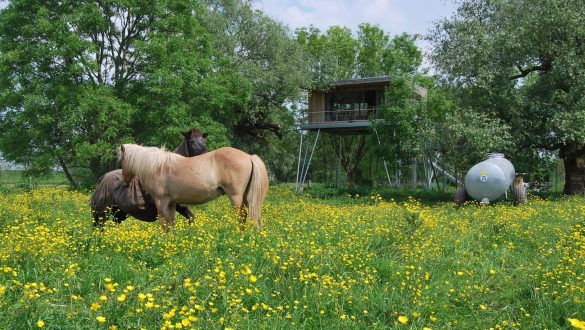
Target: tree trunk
{"x": 354, "y": 176}
{"x": 67, "y": 173}
{"x": 574, "y": 162}
{"x": 351, "y": 153}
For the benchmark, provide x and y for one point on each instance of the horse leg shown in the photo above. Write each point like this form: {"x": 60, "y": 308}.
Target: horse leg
{"x": 238, "y": 203}
{"x": 184, "y": 211}
{"x": 99, "y": 218}
{"x": 118, "y": 214}
{"x": 166, "y": 214}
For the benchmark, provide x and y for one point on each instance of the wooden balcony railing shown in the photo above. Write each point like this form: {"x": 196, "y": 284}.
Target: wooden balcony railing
{"x": 347, "y": 115}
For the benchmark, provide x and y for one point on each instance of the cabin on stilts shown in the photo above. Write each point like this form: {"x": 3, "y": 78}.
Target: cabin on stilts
{"x": 348, "y": 108}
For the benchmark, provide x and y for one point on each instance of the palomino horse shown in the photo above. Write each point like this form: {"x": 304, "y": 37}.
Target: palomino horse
{"x": 171, "y": 179}
{"x": 116, "y": 198}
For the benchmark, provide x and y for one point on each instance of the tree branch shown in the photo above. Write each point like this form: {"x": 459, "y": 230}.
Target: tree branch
{"x": 247, "y": 128}
{"x": 546, "y": 66}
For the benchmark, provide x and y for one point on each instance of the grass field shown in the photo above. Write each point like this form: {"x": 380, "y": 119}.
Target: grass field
{"x": 11, "y": 180}
{"x": 343, "y": 263}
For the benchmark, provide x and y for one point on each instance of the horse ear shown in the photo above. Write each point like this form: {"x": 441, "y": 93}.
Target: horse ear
{"x": 186, "y": 134}
{"x": 122, "y": 148}
{"x": 205, "y": 135}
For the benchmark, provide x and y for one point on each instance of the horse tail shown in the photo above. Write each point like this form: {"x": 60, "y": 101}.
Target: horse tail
{"x": 257, "y": 189}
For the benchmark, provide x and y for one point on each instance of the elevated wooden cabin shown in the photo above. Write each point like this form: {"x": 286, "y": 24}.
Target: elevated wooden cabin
{"x": 347, "y": 106}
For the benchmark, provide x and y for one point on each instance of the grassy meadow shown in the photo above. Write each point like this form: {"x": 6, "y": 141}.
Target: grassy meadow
{"x": 11, "y": 180}
{"x": 342, "y": 263}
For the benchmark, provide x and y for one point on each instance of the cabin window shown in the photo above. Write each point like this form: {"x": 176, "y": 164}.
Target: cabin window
{"x": 352, "y": 105}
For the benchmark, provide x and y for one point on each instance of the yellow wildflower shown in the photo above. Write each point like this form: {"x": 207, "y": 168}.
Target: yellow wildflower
{"x": 577, "y": 324}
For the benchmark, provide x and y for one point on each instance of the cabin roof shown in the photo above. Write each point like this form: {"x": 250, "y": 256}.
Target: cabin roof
{"x": 354, "y": 83}
{"x": 361, "y": 81}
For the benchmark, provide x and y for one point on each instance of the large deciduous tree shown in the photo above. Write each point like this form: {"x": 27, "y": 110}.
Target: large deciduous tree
{"x": 522, "y": 61}
{"x": 272, "y": 66}
{"x": 80, "y": 77}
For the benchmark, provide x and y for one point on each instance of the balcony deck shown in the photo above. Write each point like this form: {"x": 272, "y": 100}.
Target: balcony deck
{"x": 350, "y": 121}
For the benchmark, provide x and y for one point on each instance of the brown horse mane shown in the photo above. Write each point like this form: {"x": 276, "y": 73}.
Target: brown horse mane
{"x": 144, "y": 162}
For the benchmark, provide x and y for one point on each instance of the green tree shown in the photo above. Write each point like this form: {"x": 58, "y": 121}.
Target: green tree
{"x": 331, "y": 55}
{"x": 270, "y": 63}
{"x": 402, "y": 119}
{"x": 522, "y": 62}
{"x": 81, "y": 77}
{"x": 338, "y": 54}
{"x": 343, "y": 48}
{"x": 460, "y": 137}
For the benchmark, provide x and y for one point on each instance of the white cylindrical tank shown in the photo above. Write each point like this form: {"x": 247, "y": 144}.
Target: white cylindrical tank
{"x": 488, "y": 181}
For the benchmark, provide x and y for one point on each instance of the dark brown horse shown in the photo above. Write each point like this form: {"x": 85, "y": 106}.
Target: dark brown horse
{"x": 113, "y": 197}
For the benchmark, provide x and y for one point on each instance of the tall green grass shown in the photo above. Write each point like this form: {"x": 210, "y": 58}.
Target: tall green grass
{"x": 347, "y": 263}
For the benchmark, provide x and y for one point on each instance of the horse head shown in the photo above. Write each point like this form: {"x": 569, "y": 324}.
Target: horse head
{"x": 195, "y": 142}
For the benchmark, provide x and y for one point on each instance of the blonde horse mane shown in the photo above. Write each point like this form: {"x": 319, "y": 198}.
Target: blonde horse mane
{"x": 144, "y": 162}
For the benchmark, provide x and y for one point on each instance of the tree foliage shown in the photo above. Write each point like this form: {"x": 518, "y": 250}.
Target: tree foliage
{"x": 336, "y": 54}
{"x": 522, "y": 62}
{"x": 80, "y": 77}
{"x": 268, "y": 61}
